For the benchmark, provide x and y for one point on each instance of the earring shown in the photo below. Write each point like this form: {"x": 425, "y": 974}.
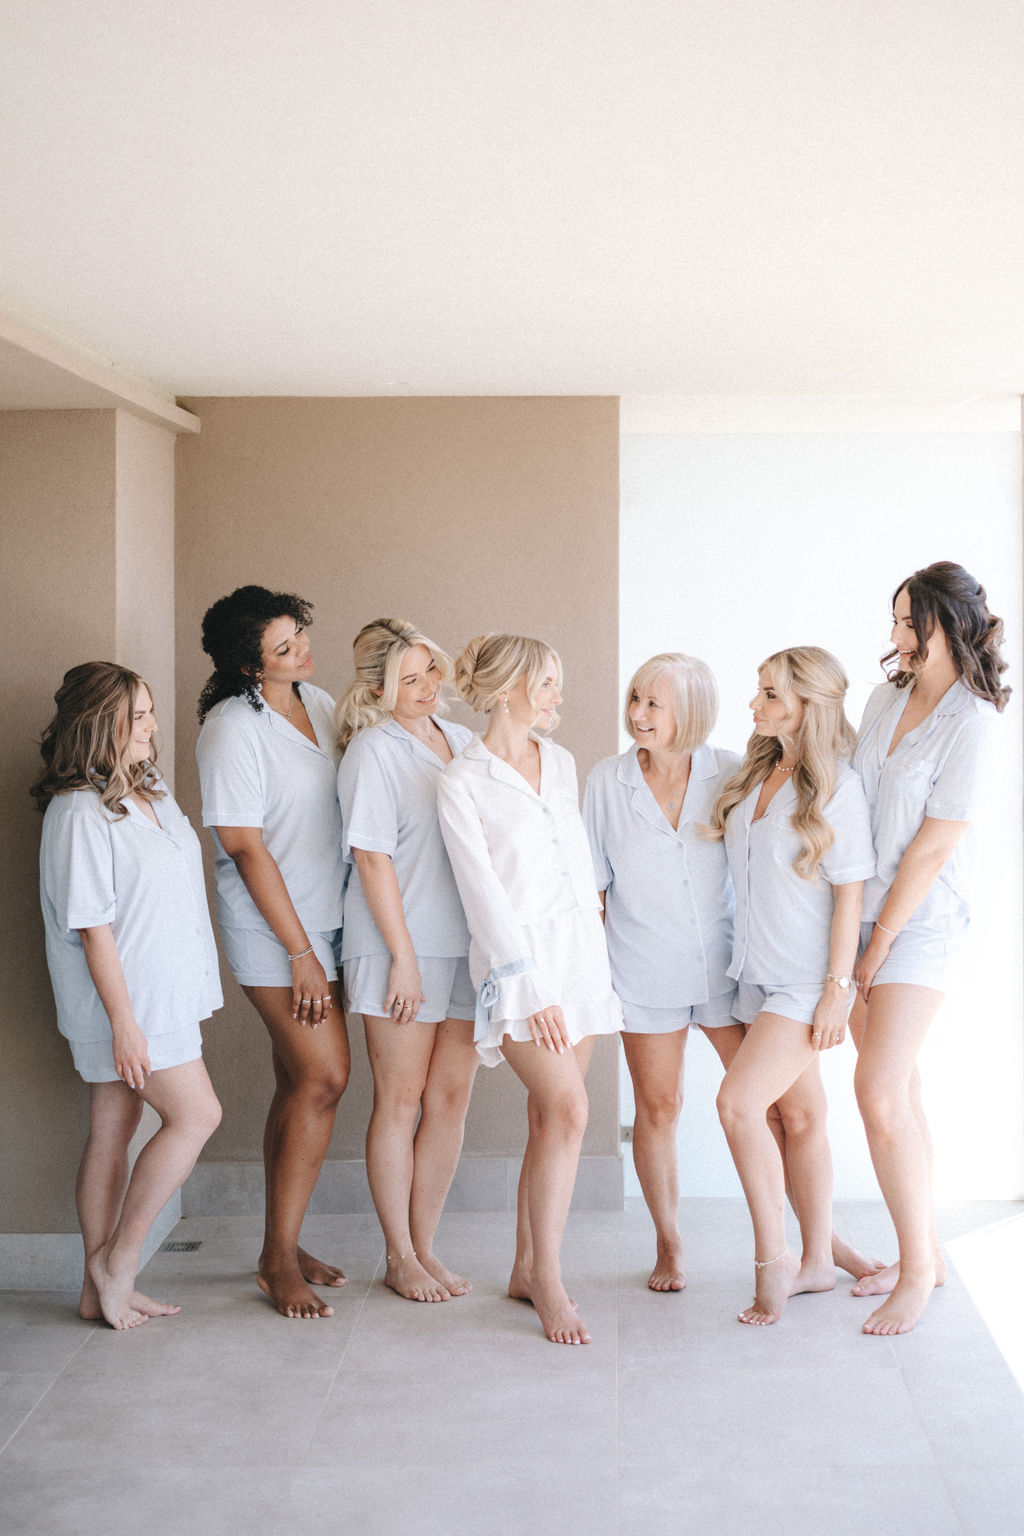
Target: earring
{"x": 505, "y": 702}
{"x": 258, "y": 686}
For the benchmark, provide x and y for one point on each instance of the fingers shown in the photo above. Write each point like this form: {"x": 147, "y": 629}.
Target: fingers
{"x": 548, "y": 1029}
{"x": 133, "y": 1070}
{"x": 311, "y": 995}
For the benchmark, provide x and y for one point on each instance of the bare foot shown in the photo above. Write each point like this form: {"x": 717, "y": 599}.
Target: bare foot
{"x": 772, "y": 1289}
{"x": 115, "y": 1288}
{"x": 846, "y": 1257}
{"x": 455, "y": 1285}
{"x": 885, "y": 1280}
{"x": 89, "y": 1305}
{"x": 519, "y": 1286}
{"x": 813, "y": 1277}
{"x": 317, "y": 1272}
{"x": 668, "y": 1273}
{"x": 902, "y": 1310}
{"x": 558, "y": 1316}
{"x": 290, "y": 1293}
{"x": 406, "y": 1275}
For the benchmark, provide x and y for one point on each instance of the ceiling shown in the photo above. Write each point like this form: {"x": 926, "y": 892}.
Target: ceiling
{"x": 698, "y": 198}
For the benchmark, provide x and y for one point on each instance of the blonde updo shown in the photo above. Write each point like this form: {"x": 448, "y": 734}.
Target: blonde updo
{"x": 491, "y": 664}
{"x": 378, "y": 650}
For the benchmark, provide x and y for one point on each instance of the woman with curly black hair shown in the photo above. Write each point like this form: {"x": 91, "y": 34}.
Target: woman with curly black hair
{"x": 268, "y": 766}
{"x": 923, "y": 745}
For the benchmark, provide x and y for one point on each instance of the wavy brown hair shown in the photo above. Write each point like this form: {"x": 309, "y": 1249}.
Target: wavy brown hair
{"x": 945, "y": 594}
{"x": 85, "y": 745}
{"x": 824, "y": 739}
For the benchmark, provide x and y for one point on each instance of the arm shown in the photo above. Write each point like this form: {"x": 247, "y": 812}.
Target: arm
{"x": 384, "y": 899}
{"x": 920, "y": 867}
{"x": 829, "y": 1025}
{"x": 265, "y": 884}
{"x": 131, "y": 1053}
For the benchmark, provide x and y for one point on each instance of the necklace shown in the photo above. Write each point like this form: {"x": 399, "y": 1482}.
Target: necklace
{"x": 286, "y": 714}
{"x": 779, "y": 768}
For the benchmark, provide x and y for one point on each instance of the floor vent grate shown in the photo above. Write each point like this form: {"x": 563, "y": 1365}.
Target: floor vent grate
{"x": 172, "y": 1247}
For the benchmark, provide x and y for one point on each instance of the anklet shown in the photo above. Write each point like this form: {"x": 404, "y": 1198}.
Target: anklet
{"x": 764, "y": 1263}
{"x": 391, "y": 1257}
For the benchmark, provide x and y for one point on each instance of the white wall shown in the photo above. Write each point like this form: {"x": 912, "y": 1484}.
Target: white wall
{"x": 733, "y": 546}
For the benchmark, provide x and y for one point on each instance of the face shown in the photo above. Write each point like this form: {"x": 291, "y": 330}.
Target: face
{"x": 536, "y": 709}
{"x": 775, "y": 714}
{"x": 904, "y": 638}
{"x": 284, "y": 652}
{"x": 419, "y": 684}
{"x": 652, "y": 716}
{"x": 143, "y": 727}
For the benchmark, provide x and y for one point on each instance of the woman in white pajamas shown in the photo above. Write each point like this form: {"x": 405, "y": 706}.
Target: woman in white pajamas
{"x": 510, "y": 816}
{"x": 405, "y": 943}
{"x": 923, "y": 746}
{"x": 133, "y": 964}
{"x": 268, "y": 770}
{"x": 796, "y": 833}
{"x": 668, "y": 913}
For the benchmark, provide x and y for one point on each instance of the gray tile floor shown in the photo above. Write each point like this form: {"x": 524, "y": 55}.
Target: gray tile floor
{"x": 460, "y": 1418}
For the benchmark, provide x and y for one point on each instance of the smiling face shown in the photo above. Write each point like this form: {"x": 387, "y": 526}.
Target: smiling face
{"x": 536, "y": 709}
{"x": 652, "y": 716}
{"x": 419, "y": 684}
{"x": 904, "y": 637}
{"x": 143, "y": 728}
{"x": 284, "y": 652}
{"x": 775, "y": 714}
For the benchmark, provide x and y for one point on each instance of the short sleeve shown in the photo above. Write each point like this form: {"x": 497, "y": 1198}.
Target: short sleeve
{"x": 957, "y": 791}
{"x": 229, "y": 776}
{"x": 595, "y": 819}
{"x": 80, "y": 866}
{"x": 852, "y": 855}
{"x": 366, "y": 793}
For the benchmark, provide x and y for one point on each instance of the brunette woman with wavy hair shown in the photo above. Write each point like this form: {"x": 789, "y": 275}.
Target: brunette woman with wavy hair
{"x": 134, "y": 969}
{"x": 796, "y": 834}
{"x": 924, "y": 742}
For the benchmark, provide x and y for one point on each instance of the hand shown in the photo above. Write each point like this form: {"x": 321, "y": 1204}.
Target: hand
{"x": 405, "y": 991}
{"x": 131, "y": 1055}
{"x": 828, "y": 1027}
{"x": 547, "y": 1026}
{"x": 871, "y": 961}
{"x": 311, "y": 991}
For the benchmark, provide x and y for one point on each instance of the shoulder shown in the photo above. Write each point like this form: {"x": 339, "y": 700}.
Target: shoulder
{"x": 76, "y": 805}
{"x": 560, "y": 757}
{"x": 459, "y": 736}
{"x": 231, "y": 716}
{"x": 370, "y": 742}
{"x": 882, "y": 697}
{"x": 849, "y": 790}
{"x": 605, "y": 772}
{"x": 316, "y": 698}
{"x": 720, "y": 763}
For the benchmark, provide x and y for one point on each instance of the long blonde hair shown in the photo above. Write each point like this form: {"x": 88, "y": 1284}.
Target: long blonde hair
{"x": 85, "y": 745}
{"x": 377, "y": 651}
{"x": 490, "y": 664}
{"x": 824, "y": 738}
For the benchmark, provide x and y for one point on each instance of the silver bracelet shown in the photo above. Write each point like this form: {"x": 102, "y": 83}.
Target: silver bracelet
{"x": 890, "y": 931}
{"x": 301, "y": 954}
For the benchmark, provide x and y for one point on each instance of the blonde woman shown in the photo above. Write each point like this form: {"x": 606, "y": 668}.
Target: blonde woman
{"x": 405, "y": 943}
{"x": 796, "y": 833}
{"x": 510, "y": 816}
{"x": 668, "y": 913}
{"x": 133, "y": 964}
{"x": 924, "y": 742}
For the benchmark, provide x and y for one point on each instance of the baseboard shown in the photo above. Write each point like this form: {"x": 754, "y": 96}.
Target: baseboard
{"x": 480, "y": 1184}
{"x": 52, "y": 1261}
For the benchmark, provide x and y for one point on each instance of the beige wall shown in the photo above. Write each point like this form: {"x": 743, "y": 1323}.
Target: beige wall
{"x": 461, "y": 514}
{"x": 64, "y": 507}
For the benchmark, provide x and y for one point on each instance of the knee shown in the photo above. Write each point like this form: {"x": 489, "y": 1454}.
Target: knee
{"x": 447, "y": 1101}
{"x": 327, "y": 1087}
{"x": 878, "y": 1107}
{"x": 566, "y": 1117}
{"x": 735, "y": 1109}
{"x": 798, "y": 1120}
{"x": 209, "y": 1118}
{"x": 661, "y": 1109}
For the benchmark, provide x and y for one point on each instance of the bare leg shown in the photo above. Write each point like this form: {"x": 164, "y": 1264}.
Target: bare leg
{"x": 453, "y": 1066}
{"x": 656, "y": 1064}
{"x": 557, "y": 1118}
{"x": 803, "y": 1114}
{"x": 888, "y": 1092}
{"x": 311, "y": 1069}
{"x": 727, "y": 1042}
{"x": 774, "y": 1053}
{"x": 184, "y": 1099}
{"x": 400, "y": 1060}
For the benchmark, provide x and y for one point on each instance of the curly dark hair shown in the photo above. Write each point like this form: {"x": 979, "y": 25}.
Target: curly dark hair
{"x": 947, "y": 595}
{"x": 233, "y": 638}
